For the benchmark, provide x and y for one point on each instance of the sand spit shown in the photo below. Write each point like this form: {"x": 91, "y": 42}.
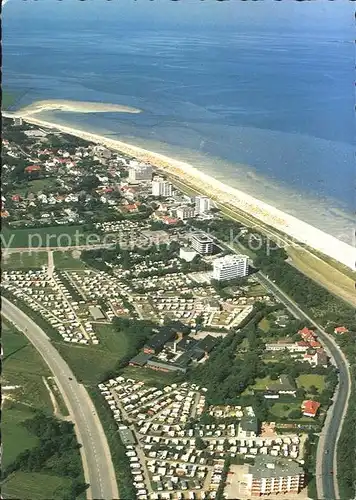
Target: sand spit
{"x": 73, "y": 106}
{"x": 296, "y": 229}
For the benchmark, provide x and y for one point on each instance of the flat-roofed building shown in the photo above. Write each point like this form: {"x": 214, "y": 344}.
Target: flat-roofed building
{"x": 139, "y": 173}
{"x": 202, "y": 243}
{"x": 185, "y": 212}
{"x": 161, "y": 187}
{"x": 268, "y": 476}
{"x": 230, "y": 267}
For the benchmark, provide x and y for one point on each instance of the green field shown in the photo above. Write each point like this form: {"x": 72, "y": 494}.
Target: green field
{"x": 23, "y": 366}
{"x": 307, "y": 381}
{"x": 24, "y": 260}
{"x": 15, "y": 437}
{"x": 34, "y": 486}
{"x": 66, "y": 260}
{"x": 90, "y": 363}
{"x": 284, "y": 409}
{"x": 35, "y": 186}
{"x": 52, "y": 236}
{"x": 147, "y": 375}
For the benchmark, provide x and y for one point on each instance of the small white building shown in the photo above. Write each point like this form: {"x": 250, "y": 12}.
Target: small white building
{"x": 187, "y": 254}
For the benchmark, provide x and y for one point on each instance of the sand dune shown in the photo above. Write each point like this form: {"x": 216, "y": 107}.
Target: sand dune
{"x": 295, "y": 229}
{"x": 74, "y": 106}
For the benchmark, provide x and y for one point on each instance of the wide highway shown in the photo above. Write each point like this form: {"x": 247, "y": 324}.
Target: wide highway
{"x": 326, "y": 464}
{"x": 99, "y": 472}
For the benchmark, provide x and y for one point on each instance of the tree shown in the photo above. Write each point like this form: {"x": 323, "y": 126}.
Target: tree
{"x": 199, "y": 443}
{"x": 295, "y": 414}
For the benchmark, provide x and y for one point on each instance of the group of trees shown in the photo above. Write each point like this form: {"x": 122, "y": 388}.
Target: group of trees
{"x": 224, "y": 375}
{"x": 57, "y": 453}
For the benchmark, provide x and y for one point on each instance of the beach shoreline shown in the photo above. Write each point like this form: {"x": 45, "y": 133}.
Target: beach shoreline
{"x": 293, "y": 228}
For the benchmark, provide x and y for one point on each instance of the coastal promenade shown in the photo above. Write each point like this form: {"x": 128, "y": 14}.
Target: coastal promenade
{"x": 98, "y": 468}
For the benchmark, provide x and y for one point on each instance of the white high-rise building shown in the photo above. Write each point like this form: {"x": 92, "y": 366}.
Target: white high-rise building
{"x": 230, "y": 267}
{"x": 202, "y": 243}
{"x": 202, "y": 204}
{"x": 138, "y": 173}
{"x": 161, "y": 187}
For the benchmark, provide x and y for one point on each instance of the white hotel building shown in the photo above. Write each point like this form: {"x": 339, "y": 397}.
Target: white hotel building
{"x": 161, "y": 187}
{"x": 202, "y": 204}
{"x": 230, "y": 267}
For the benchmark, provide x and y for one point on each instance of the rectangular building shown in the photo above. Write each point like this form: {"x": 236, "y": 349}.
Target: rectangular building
{"x": 156, "y": 343}
{"x": 230, "y": 267}
{"x": 202, "y": 243}
{"x": 202, "y": 204}
{"x": 184, "y": 212}
{"x": 140, "y": 173}
{"x": 271, "y": 475}
{"x": 161, "y": 187}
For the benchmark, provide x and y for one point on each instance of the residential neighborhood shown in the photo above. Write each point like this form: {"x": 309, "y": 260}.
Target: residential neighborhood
{"x": 209, "y": 383}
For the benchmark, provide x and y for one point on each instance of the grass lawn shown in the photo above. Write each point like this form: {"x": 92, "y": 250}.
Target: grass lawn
{"x": 339, "y": 281}
{"x": 37, "y": 237}
{"x": 261, "y": 383}
{"x": 35, "y": 186}
{"x": 264, "y": 325}
{"x": 90, "y": 363}
{"x": 24, "y": 260}
{"x": 307, "y": 381}
{"x": 34, "y": 485}
{"x": 147, "y": 375}
{"x": 15, "y": 437}
{"x": 283, "y": 409}
{"x": 255, "y": 290}
{"x": 23, "y": 366}
{"x": 66, "y": 260}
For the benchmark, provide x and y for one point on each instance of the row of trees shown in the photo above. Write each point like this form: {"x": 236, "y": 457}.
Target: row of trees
{"x": 57, "y": 453}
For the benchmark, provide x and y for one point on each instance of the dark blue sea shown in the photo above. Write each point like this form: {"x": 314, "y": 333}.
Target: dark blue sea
{"x": 258, "y": 94}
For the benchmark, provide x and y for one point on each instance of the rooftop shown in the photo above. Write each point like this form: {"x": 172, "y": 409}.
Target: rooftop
{"x": 268, "y": 466}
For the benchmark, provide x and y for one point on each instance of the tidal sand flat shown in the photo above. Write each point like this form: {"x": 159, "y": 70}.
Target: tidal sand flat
{"x": 74, "y": 106}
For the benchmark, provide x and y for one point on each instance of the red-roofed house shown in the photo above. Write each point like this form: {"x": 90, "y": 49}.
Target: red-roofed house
{"x": 340, "y": 330}
{"x": 307, "y": 334}
{"x": 310, "y": 408}
{"x": 169, "y": 221}
{"x": 314, "y": 344}
{"x": 16, "y": 197}
{"x": 32, "y": 168}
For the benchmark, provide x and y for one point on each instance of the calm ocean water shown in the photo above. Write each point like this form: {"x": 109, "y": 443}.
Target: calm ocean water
{"x": 260, "y": 95}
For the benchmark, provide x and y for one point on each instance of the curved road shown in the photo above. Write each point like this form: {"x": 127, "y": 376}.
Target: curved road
{"x": 326, "y": 465}
{"x": 97, "y": 464}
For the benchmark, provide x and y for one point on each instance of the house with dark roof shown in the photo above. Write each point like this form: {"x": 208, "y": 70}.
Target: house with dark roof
{"x": 140, "y": 359}
{"x": 284, "y": 386}
{"x": 156, "y": 343}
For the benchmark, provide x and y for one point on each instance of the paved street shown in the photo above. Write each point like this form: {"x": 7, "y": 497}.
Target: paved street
{"x": 98, "y": 468}
{"x": 326, "y": 455}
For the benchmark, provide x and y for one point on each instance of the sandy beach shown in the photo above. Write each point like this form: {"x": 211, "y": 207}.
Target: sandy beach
{"x": 73, "y": 106}
{"x": 295, "y": 229}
